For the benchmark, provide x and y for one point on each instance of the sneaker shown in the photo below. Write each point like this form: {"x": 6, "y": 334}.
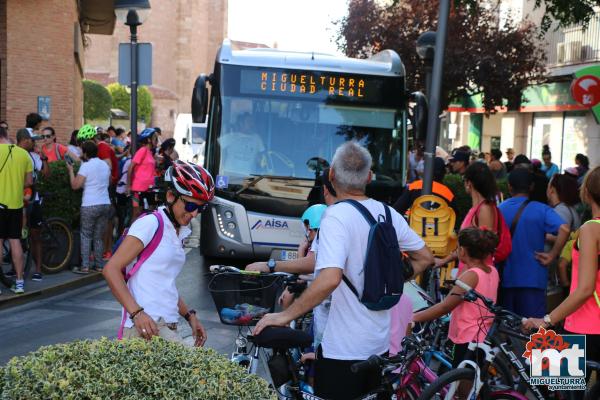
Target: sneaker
{"x": 106, "y": 256}
{"x": 81, "y": 271}
{"x": 36, "y": 277}
{"x": 18, "y": 287}
{"x": 10, "y": 274}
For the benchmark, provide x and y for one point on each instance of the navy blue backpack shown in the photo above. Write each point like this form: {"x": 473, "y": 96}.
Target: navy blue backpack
{"x": 383, "y": 268}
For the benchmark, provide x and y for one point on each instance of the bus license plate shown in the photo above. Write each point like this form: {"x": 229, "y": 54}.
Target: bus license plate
{"x": 287, "y": 255}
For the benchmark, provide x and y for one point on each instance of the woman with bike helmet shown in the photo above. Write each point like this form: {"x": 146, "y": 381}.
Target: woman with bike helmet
{"x": 142, "y": 171}
{"x": 150, "y": 299}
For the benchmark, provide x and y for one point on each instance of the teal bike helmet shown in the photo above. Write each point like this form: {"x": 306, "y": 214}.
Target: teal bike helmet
{"x": 313, "y": 214}
{"x": 86, "y": 132}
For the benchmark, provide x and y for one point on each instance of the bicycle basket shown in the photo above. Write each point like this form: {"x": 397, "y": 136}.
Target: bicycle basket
{"x": 243, "y": 299}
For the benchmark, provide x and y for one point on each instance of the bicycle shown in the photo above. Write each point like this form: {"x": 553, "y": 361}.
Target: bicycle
{"x": 57, "y": 242}
{"x": 242, "y": 298}
{"x": 506, "y": 325}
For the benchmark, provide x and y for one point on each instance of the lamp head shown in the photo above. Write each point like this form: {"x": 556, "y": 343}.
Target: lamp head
{"x": 426, "y": 46}
{"x": 132, "y": 12}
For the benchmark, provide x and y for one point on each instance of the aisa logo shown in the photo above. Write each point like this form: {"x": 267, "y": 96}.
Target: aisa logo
{"x": 270, "y": 224}
{"x": 557, "y": 361}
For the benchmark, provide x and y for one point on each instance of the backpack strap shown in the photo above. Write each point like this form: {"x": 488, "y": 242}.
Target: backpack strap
{"x": 143, "y": 257}
{"x": 148, "y": 250}
{"x": 372, "y": 221}
{"x": 515, "y": 221}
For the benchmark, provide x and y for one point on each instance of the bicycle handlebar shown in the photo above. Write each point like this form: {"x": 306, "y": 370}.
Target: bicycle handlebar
{"x": 217, "y": 269}
{"x": 489, "y": 304}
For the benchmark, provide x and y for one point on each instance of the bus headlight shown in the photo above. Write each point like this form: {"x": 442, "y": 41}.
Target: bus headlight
{"x": 226, "y": 222}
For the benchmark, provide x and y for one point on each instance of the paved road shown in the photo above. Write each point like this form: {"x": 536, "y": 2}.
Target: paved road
{"x": 92, "y": 312}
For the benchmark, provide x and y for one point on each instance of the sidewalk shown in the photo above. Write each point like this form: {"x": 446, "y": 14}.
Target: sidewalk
{"x": 50, "y": 285}
{"x": 67, "y": 280}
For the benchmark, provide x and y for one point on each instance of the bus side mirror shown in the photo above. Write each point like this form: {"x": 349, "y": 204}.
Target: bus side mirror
{"x": 418, "y": 118}
{"x": 184, "y": 140}
{"x": 200, "y": 99}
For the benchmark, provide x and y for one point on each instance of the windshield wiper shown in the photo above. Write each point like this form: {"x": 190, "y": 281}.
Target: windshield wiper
{"x": 257, "y": 178}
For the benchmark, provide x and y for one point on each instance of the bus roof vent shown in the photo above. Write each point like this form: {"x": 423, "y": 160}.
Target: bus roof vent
{"x": 225, "y": 53}
{"x": 391, "y": 58}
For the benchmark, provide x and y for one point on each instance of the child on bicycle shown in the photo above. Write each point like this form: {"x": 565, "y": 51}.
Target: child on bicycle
{"x": 469, "y": 321}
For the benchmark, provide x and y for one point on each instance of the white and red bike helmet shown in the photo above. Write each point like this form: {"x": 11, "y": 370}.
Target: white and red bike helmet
{"x": 188, "y": 179}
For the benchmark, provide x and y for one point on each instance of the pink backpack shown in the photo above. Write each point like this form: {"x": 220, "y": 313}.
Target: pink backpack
{"x": 142, "y": 258}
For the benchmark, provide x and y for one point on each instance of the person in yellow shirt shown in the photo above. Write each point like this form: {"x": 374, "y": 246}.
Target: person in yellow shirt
{"x": 15, "y": 175}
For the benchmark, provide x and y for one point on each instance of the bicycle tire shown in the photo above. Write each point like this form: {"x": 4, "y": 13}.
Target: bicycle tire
{"x": 501, "y": 365}
{"x": 431, "y": 392}
{"x": 57, "y": 245}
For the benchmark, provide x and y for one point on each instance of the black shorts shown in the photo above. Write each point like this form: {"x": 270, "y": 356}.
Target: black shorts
{"x": 11, "y": 223}
{"x": 34, "y": 215}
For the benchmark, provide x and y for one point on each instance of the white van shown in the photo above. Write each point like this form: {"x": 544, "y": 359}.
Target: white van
{"x": 189, "y": 139}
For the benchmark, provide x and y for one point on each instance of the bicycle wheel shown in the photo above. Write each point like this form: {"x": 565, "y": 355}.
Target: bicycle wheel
{"x": 500, "y": 374}
{"x": 57, "y": 245}
{"x": 437, "y": 389}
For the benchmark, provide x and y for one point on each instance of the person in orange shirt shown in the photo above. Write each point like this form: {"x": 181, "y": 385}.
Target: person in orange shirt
{"x": 55, "y": 151}
{"x": 405, "y": 201}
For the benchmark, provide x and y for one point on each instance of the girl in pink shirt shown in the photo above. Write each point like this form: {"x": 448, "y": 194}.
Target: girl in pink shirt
{"x": 142, "y": 172}
{"x": 469, "y": 321}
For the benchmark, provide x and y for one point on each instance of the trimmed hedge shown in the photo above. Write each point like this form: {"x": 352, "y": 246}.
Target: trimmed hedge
{"x": 60, "y": 200}
{"x": 97, "y": 101}
{"x": 127, "y": 370}
{"x": 121, "y": 100}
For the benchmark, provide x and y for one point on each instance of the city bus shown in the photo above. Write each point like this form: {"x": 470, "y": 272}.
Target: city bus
{"x": 275, "y": 119}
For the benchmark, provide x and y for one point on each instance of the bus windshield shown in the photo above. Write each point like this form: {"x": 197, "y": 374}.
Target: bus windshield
{"x": 278, "y": 136}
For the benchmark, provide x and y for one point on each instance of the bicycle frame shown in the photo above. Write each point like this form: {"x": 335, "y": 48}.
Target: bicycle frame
{"x": 491, "y": 347}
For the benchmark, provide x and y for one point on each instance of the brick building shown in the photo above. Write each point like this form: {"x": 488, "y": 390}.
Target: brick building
{"x": 41, "y": 55}
{"x": 185, "y": 35}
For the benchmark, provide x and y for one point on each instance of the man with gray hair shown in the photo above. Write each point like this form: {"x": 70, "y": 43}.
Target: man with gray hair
{"x": 352, "y": 332}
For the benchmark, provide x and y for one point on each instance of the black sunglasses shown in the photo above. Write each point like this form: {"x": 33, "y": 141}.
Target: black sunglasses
{"x": 191, "y": 207}
{"x": 46, "y": 136}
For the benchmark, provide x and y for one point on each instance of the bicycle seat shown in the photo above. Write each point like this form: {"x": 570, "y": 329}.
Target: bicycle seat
{"x": 275, "y": 337}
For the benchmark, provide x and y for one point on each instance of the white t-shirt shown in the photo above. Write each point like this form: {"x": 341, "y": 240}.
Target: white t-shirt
{"x": 153, "y": 285}
{"x": 95, "y": 187}
{"x": 122, "y": 185}
{"x": 321, "y": 311}
{"x": 75, "y": 150}
{"x": 240, "y": 152}
{"x": 38, "y": 165}
{"x": 354, "y": 332}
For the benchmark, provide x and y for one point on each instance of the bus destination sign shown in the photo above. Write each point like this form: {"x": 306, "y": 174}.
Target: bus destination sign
{"x": 310, "y": 84}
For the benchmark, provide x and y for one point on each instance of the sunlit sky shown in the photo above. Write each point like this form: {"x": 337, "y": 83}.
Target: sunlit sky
{"x": 299, "y": 25}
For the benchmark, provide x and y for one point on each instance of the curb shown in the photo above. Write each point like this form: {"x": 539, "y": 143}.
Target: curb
{"x": 49, "y": 291}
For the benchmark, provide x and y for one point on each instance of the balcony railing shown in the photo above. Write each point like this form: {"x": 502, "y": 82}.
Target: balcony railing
{"x": 574, "y": 44}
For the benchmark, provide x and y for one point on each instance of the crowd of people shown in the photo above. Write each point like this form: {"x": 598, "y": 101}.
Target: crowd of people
{"x": 99, "y": 162}
{"x": 508, "y": 249}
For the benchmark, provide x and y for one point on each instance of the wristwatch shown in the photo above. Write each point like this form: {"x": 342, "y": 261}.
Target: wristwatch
{"x": 189, "y": 314}
{"x": 271, "y": 264}
{"x": 547, "y": 320}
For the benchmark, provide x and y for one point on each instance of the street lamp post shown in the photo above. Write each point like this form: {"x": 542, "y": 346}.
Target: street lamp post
{"x": 133, "y": 13}
{"x": 434, "y": 93}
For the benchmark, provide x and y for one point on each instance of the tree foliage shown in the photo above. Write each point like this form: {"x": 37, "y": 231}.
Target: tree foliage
{"x": 96, "y": 101}
{"x": 121, "y": 100}
{"x": 565, "y": 12}
{"x": 481, "y": 57}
